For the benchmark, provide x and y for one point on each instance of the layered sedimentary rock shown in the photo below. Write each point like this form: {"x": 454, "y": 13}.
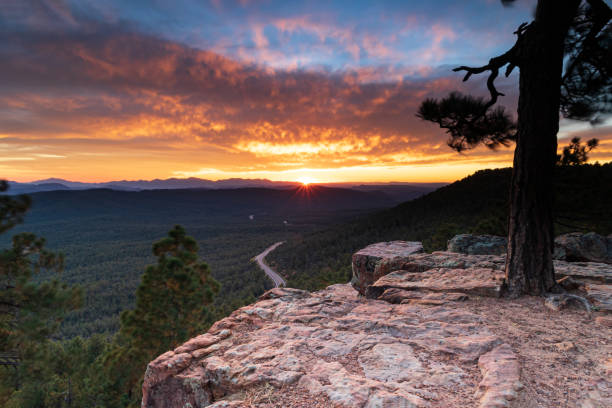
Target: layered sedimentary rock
{"x": 423, "y": 274}
{"x": 379, "y": 259}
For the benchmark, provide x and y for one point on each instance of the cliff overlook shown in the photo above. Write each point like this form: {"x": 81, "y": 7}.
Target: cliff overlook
{"x": 413, "y": 330}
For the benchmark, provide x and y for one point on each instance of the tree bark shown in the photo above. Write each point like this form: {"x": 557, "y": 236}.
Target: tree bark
{"x": 529, "y": 266}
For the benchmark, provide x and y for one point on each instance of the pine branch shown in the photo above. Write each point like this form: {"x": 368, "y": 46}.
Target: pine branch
{"x": 494, "y": 65}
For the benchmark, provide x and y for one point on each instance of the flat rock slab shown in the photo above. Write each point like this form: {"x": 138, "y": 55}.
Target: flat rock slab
{"x": 585, "y": 271}
{"x": 601, "y": 296}
{"x": 377, "y": 260}
{"x": 354, "y": 351}
{"x": 445, "y": 271}
{"x": 470, "y": 281}
{"x": 451, "y": 260}
{"x": 394, "y": 295}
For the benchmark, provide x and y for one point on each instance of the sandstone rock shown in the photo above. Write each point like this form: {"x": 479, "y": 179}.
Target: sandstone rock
{"x": 471, "y": 281}
{"x": 227, "y": 404}
{"x": 377, "y": 260}
{"x": 394, "y": 295}
{"x": 501, "y": 377}
{"x": 473, "y": 274}
{"x": 584, "y": 271}
{"x": 601, "y": 296}
{"x": 452, "y": 260}
{"x": 599, "y": 397}
{"x": 407, "y": 344}
{"x": 356, "y": 352}
{"x": 284, "y": 292}
{"x": 478, "y": 244}
{"x": 590, "y": 247}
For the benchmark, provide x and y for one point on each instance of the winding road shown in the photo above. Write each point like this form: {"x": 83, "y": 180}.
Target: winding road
{"x": 276, "y": 278}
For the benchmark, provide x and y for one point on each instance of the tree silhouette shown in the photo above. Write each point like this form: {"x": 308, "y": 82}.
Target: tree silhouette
{"x": 575, "y": 153}
{"x": 565, "y": 66}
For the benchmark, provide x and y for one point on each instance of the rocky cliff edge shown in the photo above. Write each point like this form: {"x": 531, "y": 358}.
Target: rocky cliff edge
{"x": 429, "y": 332}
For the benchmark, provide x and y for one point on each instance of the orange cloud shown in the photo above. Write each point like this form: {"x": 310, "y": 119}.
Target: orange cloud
{"x": 113, "y": 104}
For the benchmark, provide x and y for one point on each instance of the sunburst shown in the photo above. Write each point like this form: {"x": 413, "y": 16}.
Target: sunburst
{"x": 306, "y": 180}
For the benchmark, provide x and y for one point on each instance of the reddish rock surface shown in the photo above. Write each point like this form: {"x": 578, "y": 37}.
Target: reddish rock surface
{"x": 379, "y": 259}
{"x": 500, "y": 377}
{"x": 481, "y": 275}
{"x": 353, "y": 351}
{"x": 432, "y": 334}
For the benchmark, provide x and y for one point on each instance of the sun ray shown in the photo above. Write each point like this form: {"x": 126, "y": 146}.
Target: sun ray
{"x": 306, "y": 180}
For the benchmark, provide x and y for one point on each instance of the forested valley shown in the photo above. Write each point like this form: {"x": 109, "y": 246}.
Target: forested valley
{"x": 97, "y": 262}
{"x": 120, "y": 288}
{"x": 106, "y": 237}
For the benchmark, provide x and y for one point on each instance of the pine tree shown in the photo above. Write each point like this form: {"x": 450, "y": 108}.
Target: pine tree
{"x": 172, "y": 305}
{"x": 565, "y": 67}
{"x": 30, "y": 311}
{"x": 575, "y": 153}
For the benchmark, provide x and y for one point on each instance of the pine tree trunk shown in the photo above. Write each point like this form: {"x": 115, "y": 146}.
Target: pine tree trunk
{"x": 529, "y": 266}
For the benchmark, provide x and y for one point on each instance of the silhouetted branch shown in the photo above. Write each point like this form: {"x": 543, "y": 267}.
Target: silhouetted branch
{"x": 494, "y": 65}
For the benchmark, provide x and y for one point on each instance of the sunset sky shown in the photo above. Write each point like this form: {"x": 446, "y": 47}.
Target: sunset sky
{"x": 286, "y": 90}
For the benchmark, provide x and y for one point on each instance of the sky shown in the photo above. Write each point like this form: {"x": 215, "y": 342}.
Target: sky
{"x": 324, "y": 91}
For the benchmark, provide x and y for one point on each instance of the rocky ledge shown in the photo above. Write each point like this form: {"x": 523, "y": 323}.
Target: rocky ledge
{"x": 430, "y": 332}
{"x": 441, "y": 275}
{"x": 355, "y": 351}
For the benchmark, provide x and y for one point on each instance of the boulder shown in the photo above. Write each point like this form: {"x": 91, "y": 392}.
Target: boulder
{"x": 379, "y": 259}
{"x": 445, "y": 273}
{"x": 478, "y": 244}
{"x": 590, "y": 247}
{"x": 422, "y": 275}
{"x": 572, "y": 247}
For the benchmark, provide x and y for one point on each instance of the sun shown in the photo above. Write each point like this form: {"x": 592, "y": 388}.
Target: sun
{"x": 306, "y": 180}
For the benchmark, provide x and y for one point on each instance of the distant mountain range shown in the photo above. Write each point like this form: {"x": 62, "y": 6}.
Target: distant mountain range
{"x": 397, "y": 191}
{"x": 53, "y": 184}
